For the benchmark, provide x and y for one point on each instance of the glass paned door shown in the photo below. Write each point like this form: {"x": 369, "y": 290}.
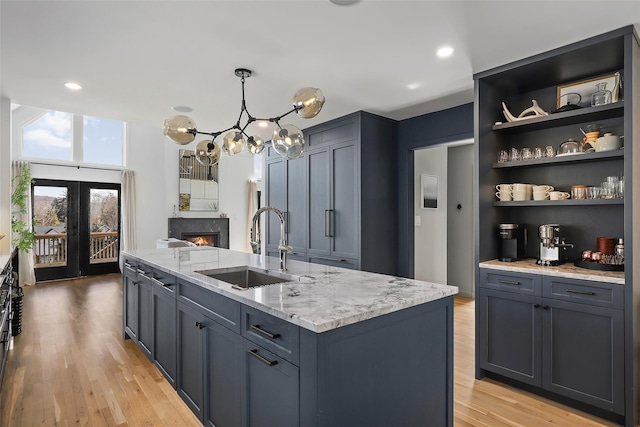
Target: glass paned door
{"x": 77, "y": 228}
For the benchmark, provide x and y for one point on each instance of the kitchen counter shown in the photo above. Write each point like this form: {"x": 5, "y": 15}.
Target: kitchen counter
{"x": 567, "y": 270}
{"x": 323, "y": 298}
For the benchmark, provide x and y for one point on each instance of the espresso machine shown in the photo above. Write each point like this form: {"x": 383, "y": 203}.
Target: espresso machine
{"x": 552, "y": 245}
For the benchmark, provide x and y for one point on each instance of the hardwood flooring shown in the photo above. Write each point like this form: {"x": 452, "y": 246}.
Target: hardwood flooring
{"x": 70, "y": 366}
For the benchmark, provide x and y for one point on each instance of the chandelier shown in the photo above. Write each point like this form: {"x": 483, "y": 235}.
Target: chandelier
{"x": 287, "y": 140}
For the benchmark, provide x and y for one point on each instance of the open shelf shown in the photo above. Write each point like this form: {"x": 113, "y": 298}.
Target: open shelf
{"x": 569, "y": 202}
{"x": 564, "y": 118}
{"x": 585, "y": 157}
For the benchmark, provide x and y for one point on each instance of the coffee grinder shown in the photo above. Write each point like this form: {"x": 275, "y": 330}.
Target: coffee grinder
{"x": 552, "y": 245}
{"x": 513, "y": 241}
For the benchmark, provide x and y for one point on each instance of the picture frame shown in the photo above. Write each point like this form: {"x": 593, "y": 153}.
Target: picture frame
{"x": 429, "y": 184}
{"x": 586, "y": 88}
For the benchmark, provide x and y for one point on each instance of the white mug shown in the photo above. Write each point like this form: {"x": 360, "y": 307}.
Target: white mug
{"x": 558, "y": 195}
{"x": 540, "y": 195}
{"x": 519, "y": 195}
{"x": 504, "y": 196}
{"x": 545, "y": 188}
{"x": 503, "y": 187}
{"x": 518, "y": 186}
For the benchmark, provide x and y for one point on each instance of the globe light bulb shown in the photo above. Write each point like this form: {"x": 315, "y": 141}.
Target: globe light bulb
{"x": 233, "y": 143}
{"x": 288, "y": 142}
{"x": 207, "y": 152}
{"x": 255, "y": 144}
{"x": 180, "y": 129}
{"x": 308, "y": 102}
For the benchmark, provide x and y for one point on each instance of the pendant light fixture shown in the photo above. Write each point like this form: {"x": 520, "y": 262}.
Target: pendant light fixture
{"x": 287, "y": 140}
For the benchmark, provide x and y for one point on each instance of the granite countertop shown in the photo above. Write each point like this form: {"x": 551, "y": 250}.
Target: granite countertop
{"x": 567, "y": 270}
{"x": 320, "y": 298}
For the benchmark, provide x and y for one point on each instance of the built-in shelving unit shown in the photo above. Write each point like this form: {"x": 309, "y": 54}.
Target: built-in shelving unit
{"x": 582, "y": 221}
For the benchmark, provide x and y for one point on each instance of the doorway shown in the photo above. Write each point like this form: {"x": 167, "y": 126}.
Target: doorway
{"x": 77, "y": 228}
{"x": 443, "y": 234}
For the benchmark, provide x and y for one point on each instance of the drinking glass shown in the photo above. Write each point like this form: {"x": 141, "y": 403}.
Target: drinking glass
{"x": 503, "y": 156}
{"x": 607, "y": 190}
{"x": 514, "y": 154}
{"x": 538, "y": 153}
{"x": 593, "y": 192}
{"x": 527, "y": 154}
{"x": 549, "y": 151}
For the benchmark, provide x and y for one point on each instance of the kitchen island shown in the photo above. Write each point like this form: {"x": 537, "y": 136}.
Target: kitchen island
{"x": 327, "y": 347}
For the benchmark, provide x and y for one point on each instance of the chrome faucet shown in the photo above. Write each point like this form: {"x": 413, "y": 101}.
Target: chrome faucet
{"x": 283, "y": 248}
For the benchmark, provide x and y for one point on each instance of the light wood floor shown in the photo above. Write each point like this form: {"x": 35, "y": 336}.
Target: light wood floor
{"x": 70, "y": 366}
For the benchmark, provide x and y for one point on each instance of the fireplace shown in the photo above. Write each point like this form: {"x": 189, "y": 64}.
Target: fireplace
{"x": 202, "y": 239}
{"x": 214, "y": 231}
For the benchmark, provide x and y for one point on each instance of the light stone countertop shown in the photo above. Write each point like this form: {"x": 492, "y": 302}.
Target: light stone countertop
{"x": 320, "y": 298}
{"x": 567, "y": 270}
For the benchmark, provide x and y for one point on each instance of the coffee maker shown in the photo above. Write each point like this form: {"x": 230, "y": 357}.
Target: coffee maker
{"x": 552, "y": 245}
{"x": 513, "y": 241}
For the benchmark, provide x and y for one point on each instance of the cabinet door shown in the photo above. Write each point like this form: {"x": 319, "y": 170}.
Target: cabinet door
{"x": 130, "y": 305}
{"x": 319, "y": 202}
{"x": 223, "y": 376}
{"x": 344, "y": 226}
{"x": 190, "y": 379}
{"x": 276, "y": 197}
{"x": 296, "y": 213}
{"x": 510, "y": 336}
{"x": 271, "y": 389}
{"x": 582, "y": 353}
{"x": 145, "y": 319}
{"x": 164, "y": 333}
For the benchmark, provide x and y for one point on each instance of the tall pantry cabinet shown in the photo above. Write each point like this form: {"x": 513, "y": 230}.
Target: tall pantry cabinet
{"x": 600, "y": 318}
{"x": 340, "y": 197}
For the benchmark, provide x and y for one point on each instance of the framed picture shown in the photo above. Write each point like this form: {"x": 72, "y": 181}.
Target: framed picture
{"x": 429, "y": 191}
{"x": 586, "y": 88}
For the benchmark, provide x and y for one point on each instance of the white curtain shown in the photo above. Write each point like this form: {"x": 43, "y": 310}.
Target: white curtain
{"x": 127, "y": 214}
{"x": 252, "y": 206}
{"x": 25, "y": 259}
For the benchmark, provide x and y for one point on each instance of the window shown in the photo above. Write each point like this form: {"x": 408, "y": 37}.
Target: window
{"x": 48, "y": 137}
{"x": 56, "y": 135}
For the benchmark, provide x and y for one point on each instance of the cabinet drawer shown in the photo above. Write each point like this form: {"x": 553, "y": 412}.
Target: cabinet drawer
{"x": 130, "y": 265}
{"x": 164, "y": 281}
{"x": 144, "y": 269}
{"x": 276, "y": 335}
{"x": 522, "y": 283}
{"x": 334, "y": 262}
{"x": 584, "y": 291}
{"x": 217, "y": 307}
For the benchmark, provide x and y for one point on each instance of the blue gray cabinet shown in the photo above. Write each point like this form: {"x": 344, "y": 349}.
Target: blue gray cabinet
{"x": 285, "y": 190}
{"x": 565, "y": 338}
{"x": 130, "y": 308}
{"x": 190, "y": 348}
{"x": 164, "y": 326}
{"x": 145, "y": 311}
{"x": 349, "y": 194}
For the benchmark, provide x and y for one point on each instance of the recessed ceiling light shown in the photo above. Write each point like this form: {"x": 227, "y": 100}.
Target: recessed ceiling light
{"x": 414, "y": 86}
{"x": 263, "y": 124}
{"x": 181, "y": 109}
{"x": 445, "y": 52}
{"x": 345, "y": 2}
{"x": 72, "y": 86}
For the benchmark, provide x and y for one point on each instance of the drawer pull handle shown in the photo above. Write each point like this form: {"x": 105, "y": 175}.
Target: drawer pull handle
{"x": 509, "y": 282}
{"x": 267, "y": 334}
{"x": 141, "y": 271}
{"x": 166, "y": 285}
{"x": 330, "y": 259}
{"x": 264, "y": 360}
{"x": 575, "y": 291}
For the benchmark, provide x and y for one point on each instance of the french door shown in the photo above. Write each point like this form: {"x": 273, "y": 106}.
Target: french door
{"x": 77, "y": 227}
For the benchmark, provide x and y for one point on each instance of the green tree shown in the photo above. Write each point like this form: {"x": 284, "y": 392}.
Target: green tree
{"x": 23, "y": 238}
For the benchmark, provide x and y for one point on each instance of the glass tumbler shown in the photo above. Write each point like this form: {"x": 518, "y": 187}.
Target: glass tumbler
{"x": 538, "y": 153}
{"x": 593, "y": 192}
{"x": 527, "y": 154}
{"x": 549, "y": 151}
{"x": 503, "y": 156}
{"x": 514, "y": 154}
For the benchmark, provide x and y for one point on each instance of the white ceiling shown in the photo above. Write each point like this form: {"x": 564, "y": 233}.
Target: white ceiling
{"x": 137, "y": 59}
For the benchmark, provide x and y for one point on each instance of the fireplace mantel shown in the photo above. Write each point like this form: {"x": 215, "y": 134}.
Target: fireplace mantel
{"x": 177, "y": 226}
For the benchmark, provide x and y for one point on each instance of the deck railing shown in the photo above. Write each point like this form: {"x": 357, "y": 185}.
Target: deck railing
{"x": 50, "y": 250}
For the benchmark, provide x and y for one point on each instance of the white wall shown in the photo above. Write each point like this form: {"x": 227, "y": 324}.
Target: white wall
{"x": 5, "y": 175}
{"x": 431, "y": 235}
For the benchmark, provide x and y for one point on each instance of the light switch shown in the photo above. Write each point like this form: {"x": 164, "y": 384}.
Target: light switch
{"x": 418, "y": 221}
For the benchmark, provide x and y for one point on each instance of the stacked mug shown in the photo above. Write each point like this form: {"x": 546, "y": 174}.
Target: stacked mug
{"x": 516, "y": 192}
{"x": 541, "y": 192}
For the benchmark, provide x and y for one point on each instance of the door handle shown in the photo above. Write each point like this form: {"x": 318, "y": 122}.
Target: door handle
{"x": 328, "y": 222}
{"x": 264, "y": 360}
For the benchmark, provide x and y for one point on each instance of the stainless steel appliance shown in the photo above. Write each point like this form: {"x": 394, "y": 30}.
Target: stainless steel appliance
{"x": 513, "y": 241}
{"x": 552, "y": 245}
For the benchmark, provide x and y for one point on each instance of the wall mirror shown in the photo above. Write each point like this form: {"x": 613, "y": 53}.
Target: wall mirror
{"x": 198, "y": 184}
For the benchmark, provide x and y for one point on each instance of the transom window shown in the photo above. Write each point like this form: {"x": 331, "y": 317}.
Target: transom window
{"x": 56, "y": 135}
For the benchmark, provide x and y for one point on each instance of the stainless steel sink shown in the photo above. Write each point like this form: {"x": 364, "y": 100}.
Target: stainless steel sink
{"x": 246, "y": 277}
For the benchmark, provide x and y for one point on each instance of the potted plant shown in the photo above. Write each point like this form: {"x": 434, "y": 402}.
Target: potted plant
{"x": 22, "y": 237}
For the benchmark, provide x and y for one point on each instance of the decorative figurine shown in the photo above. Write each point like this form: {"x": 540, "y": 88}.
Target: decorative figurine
{"x": 533, "y": 111}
